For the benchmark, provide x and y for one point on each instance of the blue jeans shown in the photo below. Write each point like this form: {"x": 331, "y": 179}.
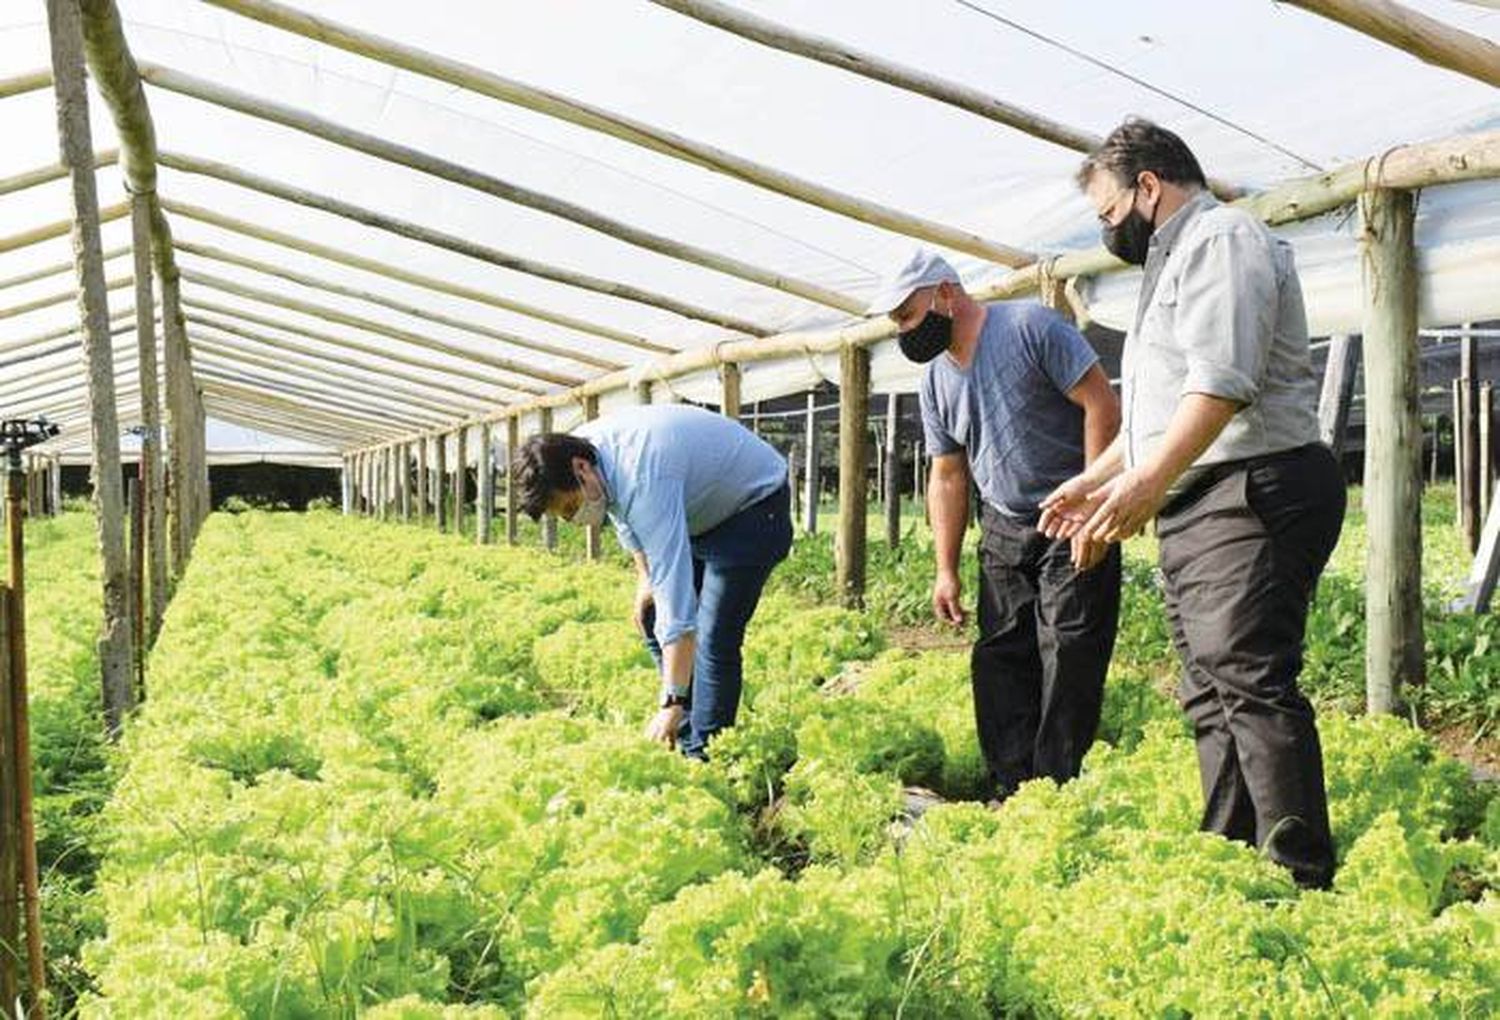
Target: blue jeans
{"x": 731, "y": 563}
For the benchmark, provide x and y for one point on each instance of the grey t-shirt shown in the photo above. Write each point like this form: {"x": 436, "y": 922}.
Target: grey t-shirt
{"x": 1009, "y": 410}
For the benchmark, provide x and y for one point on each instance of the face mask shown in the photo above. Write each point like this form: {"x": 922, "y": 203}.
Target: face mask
{"x": 928, "y": 338}
{"x": 590, "y": 512}
{"x": 1130, "y": 240}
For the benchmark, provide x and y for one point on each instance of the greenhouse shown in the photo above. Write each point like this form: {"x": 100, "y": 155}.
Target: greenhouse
{"x": 1051, "y": 464}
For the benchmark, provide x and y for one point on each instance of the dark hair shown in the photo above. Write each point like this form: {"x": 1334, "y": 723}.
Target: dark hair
{"x": 1138, "y": 145}
{"x": 544, "y": 467}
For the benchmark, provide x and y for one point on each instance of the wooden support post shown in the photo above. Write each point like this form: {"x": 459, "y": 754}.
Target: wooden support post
{"x": 917, "y": 475}
{"x": 512, "y": 510}
{"x": 153, "y": 488}
{"x": 135, "y": 596}
{"x": 549, "y": 523}
{"x": 10, "y": 843}
{"x": 115, "y": 657}
{"x": 485, "y": 464}
{"x": 57, "y": 493}
{"x": 460, "y": 478}
{"x": 729, "y": 374}
{"x": 1486, "y": 448}
{"x": 810, "y": 467}
{"x": 1338, "y": 391}
{"x": 346, "y": 491}
{"x": 592, "y": 535}
{"x": 403, "y": 480}
{"x": 1468, "y": 377}
{"x": 1393, "y": 450}
{"x": 1458, "y": 454}
{"x": 440, "y": 483}
{"x": 755, "y": 417}
{"x": 793, "y": 480}
{"x": 1486, "y": 569}
{"x": 178, "y": 385}
{"x": 643, "y": 392}
{"x": 421, "y": 446}
{"x": 893, "y": 470}
{"x": 854, "y": 413}
{"x": 383, "y": 483}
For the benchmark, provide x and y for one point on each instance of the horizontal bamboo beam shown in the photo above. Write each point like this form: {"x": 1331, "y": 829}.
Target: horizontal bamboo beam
{"x": 455, "y": 173}
{"x": 328, "y": 314}
{"x": 57, "y": 269}
{"x": 31, "y": 81}
{"x": 1449, "y": 160}
{"x": 648, "y": 136}
{"x": 215, "y": 368}
{"x": 200, "y": 305}
{"x": 207, "y": 351}
{"x": 59, "y": 298}
{"x": 421, "y": 280}
{"x": 426, "y": 315}
{"x": 69, "y": 333}
{"x": 462, "y": 246}
{"x": 259, "y": 420}
{"x": 61, "y": 228}
{"x": 55, "y": 172}
{"x": 314, "y": 411}
{"x": 458, "y": 395}
{"x": 1426, "y": 38}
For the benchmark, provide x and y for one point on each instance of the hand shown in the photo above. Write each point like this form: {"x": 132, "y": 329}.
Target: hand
{"x": 643, "y": 602}
{"x": 1086, "y": 554}
{"x": 1068, "y": 508}
{"x": 1129, "y": 501}
{"x": 947, "y": 593}
{"x": 663, "y": 727}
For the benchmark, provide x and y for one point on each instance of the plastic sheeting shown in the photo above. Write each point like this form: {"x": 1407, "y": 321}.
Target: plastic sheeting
{"x": 1262, "y": 92}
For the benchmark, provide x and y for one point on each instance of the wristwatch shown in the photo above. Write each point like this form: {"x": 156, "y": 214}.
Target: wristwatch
{"x": 673, "y": 697}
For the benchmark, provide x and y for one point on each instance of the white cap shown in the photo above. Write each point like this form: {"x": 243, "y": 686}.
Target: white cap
{"x": 924, "y": 269}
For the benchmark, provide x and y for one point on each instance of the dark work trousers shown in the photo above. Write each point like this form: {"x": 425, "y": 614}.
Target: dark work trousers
{"x": 731, "y": 563}
{"x": 1241, "y": 561}
{"x": 1046, "y": 632}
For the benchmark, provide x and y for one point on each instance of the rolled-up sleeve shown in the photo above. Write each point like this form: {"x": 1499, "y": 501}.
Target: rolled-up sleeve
{"x": 659, "y": 520}
{"x": 1226, "y": 315}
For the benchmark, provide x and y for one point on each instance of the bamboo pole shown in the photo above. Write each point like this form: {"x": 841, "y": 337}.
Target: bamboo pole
{"x": 440, "y": 482}
{"x": 57, "y": 269}
{"x": 47, "y": 174}
{"x": 549, "y": 523}
{"x": 592, "y": 536}
{"x": 421, "y": 445}
{"x": 66, "y": 30}
{"x": 322, "y": 374}
{"x": 512, "y": 508}
{"x": 1426, "y": 38}
{"x": 329, "y": 364}
{"x": 460, "y": 478}
{"x": 425, "y": 315}
{"x": 153, "y": 488}
{"x": 1486, "y": 449}
{"x": 1393, "y": 449}
{"x": 61, "y": 298}
{"x": 176, "y": 382}
{"x": 10, "y": 842}
{"x": 120, "y": 323}
{"x": 200, "y": 305}
{"x": 854, "y": 412}
{"x": 485, "y": 464}
{"x": 1458, "y": 452}
{"x": 229, "y": 370}
{"x": 675, "y": 146}
{"x": 730, "y": 403}
{"x": 328, "y": 314}
{"x": 810, "y": 466}
{"x": 508, "y": 191}
{"x": 1469, "y": 490}
{"x": 59, "y": 228}
{"x": 346, "y": 492}
{"x": 311, "y": 414}
{"x": 893, "y": 470}
{"x": 395, "y": 272}
{"x": 31, "y": 81}
{"x": 1337, "y": 396}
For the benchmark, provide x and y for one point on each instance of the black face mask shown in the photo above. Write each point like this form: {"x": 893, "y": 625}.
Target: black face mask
{"x": 1130, "y": 239}
{"x": 928, "y": 338}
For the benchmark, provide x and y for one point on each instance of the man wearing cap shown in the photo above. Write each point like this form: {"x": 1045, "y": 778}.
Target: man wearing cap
{"x": 1220, "y": 445}
{"x": 1013, "y": 398}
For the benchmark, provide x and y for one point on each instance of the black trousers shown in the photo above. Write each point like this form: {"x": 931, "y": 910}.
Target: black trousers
{"x": 1241, "y": 561}
{"x": 1046, "y": 634}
